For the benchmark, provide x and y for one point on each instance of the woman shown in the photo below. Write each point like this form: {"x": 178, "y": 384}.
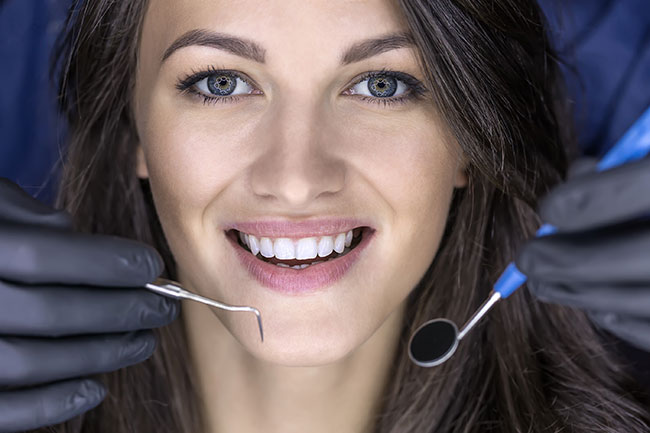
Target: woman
{"x": 194, "y": 126}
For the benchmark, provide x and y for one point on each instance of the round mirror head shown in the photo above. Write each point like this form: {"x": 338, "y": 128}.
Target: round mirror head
{"x": 433, "y": 342}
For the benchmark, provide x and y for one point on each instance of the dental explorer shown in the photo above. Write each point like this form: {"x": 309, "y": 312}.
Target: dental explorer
{"x": 173, "y": 289}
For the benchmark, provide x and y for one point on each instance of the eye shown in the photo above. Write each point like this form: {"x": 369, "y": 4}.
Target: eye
{"x": 217, "y": 86}
{"x": 223, "y": 84}
{"x": 387, "y": 88}
{"x": 380, "y": 86}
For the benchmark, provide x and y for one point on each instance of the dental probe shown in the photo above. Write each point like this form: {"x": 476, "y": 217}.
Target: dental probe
{"x": 435, "y": 341}
{"x": 173, "y": 289}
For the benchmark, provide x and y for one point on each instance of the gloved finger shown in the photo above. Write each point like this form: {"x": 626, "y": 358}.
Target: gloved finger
{"x": 18, "y": 206}
{"x": 582, "y": 166}
{"x": 32, "y": 408}
{"x": 614, "y": 255}
{"x": 58, "y": 311}
{"x": 600, "y": 198}
{"x": 30, "y": 361}
{"x": 634, "y": 330}
{"x": 37, "y": 255}
{"x": 625, "y": 300}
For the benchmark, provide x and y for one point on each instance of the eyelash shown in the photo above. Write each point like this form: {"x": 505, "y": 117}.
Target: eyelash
{"x": 416, "y": 90}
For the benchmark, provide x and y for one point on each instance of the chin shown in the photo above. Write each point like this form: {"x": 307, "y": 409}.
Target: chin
{"x": 303, "y": 346}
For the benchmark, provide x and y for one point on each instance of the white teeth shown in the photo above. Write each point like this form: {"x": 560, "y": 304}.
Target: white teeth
{"x": 284, "y": 249}
{"x": 306, "y": 248}
{"x": 302, "y": 249}
{"x": 325, "y": 246}
{"x": 266, "y": 247}
{"x": 339, "y": 243}
{"x": 303, "y": 266}
{"x": 253, "y": 244}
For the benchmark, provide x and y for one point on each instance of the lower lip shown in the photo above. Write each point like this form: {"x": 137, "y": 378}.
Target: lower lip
{"x": 299, "y": 281}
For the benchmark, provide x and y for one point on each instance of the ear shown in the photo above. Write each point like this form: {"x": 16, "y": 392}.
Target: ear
{"x": 460, "y": 177}
{"x": 141, "y": 164}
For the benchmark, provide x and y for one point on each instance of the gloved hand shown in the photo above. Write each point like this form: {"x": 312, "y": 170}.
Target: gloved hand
{"x": 71, "y": 305}
{"x": 599, "y": 260}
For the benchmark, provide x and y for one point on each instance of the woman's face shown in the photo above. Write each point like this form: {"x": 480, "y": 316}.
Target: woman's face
{"x": 292, "y": 132}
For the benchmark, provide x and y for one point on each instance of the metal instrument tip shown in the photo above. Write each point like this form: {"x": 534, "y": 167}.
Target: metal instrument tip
{"x": 173, "y": 289}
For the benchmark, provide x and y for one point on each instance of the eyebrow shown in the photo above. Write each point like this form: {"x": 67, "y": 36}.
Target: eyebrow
{"x": 238, "y": 46}
{"x": 372, "y": 47}
{"x": 253, "y": 51}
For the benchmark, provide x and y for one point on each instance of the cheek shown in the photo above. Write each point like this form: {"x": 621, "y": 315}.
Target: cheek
{"x": 405, "y": 150}
{"x": 409, "y": 163}
{"x": 411, "y": 170}
{"x": 181, "y": 174}
{"x": 190, "y": 160}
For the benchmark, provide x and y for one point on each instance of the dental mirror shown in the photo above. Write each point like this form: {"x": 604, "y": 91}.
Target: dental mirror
{"x": 435, "y": 341}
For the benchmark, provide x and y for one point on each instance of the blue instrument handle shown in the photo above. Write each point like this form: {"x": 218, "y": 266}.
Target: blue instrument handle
{"x": 635, "y": 144}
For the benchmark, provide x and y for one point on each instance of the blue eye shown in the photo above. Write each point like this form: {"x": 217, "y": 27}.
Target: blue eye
{"x": 223, "y": 84}
{"x": 380, "y": 86}
{"x": 215, "y": 85}
{"x": 388, "y": 88}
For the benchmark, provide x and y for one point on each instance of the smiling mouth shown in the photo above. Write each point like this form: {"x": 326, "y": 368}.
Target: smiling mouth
{"x": 357, "y": 236}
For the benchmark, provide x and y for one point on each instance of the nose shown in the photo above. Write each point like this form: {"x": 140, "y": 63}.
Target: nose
{"x": 302, "y": 160}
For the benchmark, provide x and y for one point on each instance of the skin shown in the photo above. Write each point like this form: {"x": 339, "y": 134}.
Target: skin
{"x": 300, "y": 147}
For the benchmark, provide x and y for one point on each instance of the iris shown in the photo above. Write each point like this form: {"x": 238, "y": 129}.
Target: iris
{"x": 382, "y": 86}
{"x": 221, "y": 84}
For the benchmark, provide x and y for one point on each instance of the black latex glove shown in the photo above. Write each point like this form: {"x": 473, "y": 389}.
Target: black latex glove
{"x": 599, "y": 260}
{"x": 71, "y": 305}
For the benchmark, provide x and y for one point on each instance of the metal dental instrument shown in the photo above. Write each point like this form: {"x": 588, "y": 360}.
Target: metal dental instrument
{"x": 173, "y": 289}
{"x": 435, "y": 341}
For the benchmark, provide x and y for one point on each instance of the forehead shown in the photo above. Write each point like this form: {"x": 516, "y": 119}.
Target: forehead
{"x": 309, "y": 25}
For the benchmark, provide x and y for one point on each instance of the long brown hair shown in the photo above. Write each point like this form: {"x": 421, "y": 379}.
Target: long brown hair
{"x": 530, "y": 367}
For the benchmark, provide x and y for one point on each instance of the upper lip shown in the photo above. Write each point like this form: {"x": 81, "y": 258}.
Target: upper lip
{"x": 298, "y": 229}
